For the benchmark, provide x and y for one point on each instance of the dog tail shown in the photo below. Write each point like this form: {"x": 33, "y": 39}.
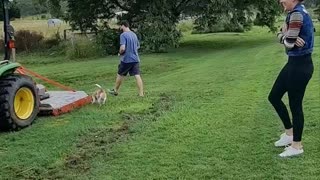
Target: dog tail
{"x": 98, "y": 86}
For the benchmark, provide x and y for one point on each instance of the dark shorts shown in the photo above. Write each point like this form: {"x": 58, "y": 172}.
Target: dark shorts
{"x": 131, "y": 68}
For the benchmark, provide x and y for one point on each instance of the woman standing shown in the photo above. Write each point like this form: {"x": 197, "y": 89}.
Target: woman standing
{"x": 298, "y": 37}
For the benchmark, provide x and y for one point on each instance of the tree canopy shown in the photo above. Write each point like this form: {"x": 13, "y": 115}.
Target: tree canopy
{"x": 14, "y": 11}
{"x": 155, "y": 21}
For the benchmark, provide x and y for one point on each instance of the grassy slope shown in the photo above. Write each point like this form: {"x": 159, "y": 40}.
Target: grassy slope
{"x": 209, "y": 118}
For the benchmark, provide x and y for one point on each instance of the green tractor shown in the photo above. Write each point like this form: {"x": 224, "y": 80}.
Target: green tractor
{"x": 21, "y": 98}
{"x": 18, "y": 97}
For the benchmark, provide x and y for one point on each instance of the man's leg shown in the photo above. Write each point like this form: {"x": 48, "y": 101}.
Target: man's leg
{"x": 135, "y": 71}
{"x": 119, "y": 81}
{"x": 140, "y": 85}
{"x": 122, "y": 72}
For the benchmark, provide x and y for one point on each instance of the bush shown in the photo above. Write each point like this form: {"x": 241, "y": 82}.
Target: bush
{"x": 109, "y": 40}
{"x": 28, "y": 40}
{"x": 53, "y": 41}
{"x": 50, "y": 43}
{"x": 43, "y": 16}
{"x": 82, "y": 47}
{"x": 1, "y": 45}
{"x": 186, "y": 26}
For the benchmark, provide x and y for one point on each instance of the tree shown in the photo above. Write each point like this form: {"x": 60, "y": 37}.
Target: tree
{"x": 235, "y": 15}
{"x": 317, "y": 10}
{"x": 28, "y": 7}
{"x": 89, "y": 14}
{"x": 311, "y": 3}
{"x": 14, "y": 11}
{"x": 54, "y": 7}
{"x": 155, "y": 21}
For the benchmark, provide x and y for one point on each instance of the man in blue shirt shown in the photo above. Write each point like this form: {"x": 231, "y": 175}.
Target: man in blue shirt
{"x": 129, "y": 58}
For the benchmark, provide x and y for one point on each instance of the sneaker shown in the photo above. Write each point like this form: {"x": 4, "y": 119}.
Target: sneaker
{"x": 287, "y": 147}
{"x": 112, "y": 92}
{"x": 284, "y": 140}
{"x": 290, "y": 151}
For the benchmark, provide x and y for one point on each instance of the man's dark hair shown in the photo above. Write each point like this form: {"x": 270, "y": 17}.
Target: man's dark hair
{"x": 124, "y": 23}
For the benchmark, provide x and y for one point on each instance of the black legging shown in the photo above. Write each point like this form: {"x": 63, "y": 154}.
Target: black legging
{"x": 293, "y": 78}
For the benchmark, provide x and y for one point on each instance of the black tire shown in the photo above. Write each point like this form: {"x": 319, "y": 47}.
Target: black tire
{"x": 9, "y": 86}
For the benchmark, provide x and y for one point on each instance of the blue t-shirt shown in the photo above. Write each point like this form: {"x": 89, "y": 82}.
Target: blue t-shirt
{"x": 131, "y": 42}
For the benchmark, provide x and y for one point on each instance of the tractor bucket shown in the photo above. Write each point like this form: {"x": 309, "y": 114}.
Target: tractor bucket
{"x": 57, "y": 102}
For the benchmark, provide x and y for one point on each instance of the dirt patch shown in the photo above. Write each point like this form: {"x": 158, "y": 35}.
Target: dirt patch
{"x": 100, "y": 141}
{"x": 153, "y": 113}
{"x": 25, "y": 173}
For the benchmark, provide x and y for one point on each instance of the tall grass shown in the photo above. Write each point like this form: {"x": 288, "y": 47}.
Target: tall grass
{"x": 83, "y": 47}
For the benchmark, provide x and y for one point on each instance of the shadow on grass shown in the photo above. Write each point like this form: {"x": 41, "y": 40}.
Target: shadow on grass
{"x": 225, "y": 41}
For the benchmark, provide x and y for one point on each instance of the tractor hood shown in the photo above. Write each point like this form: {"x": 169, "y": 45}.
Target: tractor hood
{"x": 8, "y": 68}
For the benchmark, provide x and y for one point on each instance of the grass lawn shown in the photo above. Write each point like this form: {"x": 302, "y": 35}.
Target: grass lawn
{"x": 205, "y": 116}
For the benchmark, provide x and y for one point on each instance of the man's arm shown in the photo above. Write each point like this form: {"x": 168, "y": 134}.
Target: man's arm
{"x": 122, "y": 49}
{"x": 289, "y": 38}
{"x": 122, "y": 45}
{"x": 138, "y": 44}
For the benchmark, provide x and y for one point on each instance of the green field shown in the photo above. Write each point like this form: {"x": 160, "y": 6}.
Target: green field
{"x": 205, "y": 116}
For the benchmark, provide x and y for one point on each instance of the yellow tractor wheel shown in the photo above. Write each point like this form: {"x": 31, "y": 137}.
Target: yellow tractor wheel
{"x": 19, "y": 102}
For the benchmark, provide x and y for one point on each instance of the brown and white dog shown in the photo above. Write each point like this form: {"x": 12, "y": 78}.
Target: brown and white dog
{"x": 99, "y": 96}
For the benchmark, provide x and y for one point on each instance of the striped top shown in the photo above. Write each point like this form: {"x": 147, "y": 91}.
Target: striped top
{"x": 289, "y": 37}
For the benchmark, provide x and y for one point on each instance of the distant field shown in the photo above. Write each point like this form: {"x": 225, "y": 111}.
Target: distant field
{"x": 37, "y": 25}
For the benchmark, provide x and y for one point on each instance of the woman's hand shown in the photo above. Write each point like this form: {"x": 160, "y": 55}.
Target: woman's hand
{"x": 300, "y": 42}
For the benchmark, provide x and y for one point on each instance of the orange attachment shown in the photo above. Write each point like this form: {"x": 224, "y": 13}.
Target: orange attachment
{"x": 23, "y": 70}
{"x": 12, "y": 44}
